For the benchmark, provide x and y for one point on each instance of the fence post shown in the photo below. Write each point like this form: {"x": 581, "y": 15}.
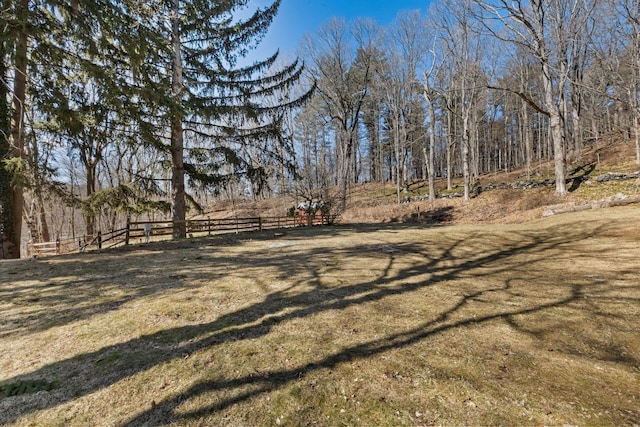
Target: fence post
{"x": 259, "y": 223}
{"x": 209, "y": 226}
{"x": 79, "y": 245}
{"x": 58, "y": 246}
{"x": 126, "y": 233}
{"x": 99, "y": 239}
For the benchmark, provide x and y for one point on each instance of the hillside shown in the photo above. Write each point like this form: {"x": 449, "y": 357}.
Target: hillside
{"x": 605, "y": 170}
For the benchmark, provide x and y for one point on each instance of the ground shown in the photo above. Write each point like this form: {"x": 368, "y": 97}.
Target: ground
{"x": 477, "y": 313}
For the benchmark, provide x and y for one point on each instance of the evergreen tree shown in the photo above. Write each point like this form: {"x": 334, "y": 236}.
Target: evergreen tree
{"x": 95, "y": 97}
{"x": 15, "y": 26}
{"x": 44, "y": 44}
{"x": 219, "y": 108}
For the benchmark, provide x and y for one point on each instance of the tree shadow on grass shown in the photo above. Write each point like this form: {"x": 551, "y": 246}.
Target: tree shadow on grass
{"x": 579, "y": 175}
{"x": 165, "y": 412}
{"x": 57, "y": 291}
{"x": 143, "y": 353}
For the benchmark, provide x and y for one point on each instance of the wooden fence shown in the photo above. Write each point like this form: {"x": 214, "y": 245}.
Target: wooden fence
{"x": 144, "y": 231}
{"x": 54, "y": 248}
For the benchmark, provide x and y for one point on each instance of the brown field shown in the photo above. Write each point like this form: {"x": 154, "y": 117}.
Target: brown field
{"x": 396, "y": 324}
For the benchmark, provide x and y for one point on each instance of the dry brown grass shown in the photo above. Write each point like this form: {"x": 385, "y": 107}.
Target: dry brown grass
{"x": 377, "y": 203}
{"x": 507, "y": 206}
{"x": 399, "y": 324}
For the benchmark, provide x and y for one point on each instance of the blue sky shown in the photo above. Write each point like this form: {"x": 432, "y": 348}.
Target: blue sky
{"x": 298, "y": 17}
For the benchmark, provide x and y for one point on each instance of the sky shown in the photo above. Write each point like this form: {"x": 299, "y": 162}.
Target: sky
{"x": 299, "y": 17}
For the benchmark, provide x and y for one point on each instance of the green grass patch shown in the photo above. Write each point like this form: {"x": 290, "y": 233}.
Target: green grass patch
{"x": 108, "y": 359}
{"x": 21, "y": 387}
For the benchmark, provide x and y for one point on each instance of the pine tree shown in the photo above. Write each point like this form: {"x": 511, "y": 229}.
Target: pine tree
{"x": 44, "y": 42}
{"x": 93, "y": 98}
{"x": 14, "y": 57}
{"x": 220, "y": 109}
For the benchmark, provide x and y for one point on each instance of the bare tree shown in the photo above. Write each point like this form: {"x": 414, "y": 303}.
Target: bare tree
{"x": 406, "y": 46}
{"x": 629, "y": 10}
{"x": 464, "y": 51}
{"x": 372, "y": 114}
{"x": 343, "y": 72}
{"x": 431, "y": 96}
{"x": 549, "y": 31}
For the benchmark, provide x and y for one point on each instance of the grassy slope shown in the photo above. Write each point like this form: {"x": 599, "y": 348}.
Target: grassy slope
{"x": 379, "y": 325}
{"x": 376, "y": 203}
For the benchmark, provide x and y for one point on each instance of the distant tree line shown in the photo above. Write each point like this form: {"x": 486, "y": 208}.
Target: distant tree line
{"x": 469, "y": 88}
{"x": 116, "y": 108}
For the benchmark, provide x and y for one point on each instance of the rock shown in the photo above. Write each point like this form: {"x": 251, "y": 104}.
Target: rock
{"x": 617, "y": 200}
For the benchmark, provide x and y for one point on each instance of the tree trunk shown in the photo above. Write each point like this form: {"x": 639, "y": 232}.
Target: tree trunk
{"x": 90, "y": 218}
{"x": 633, "y": 97}
{"x": 450, "y": 142}
{"x": 44, "y": 228}
{"x": 636, "y": 86}
{"x": 430, "y": 160}
{"x": 528, "y": 152}
{"x": 398, "y": 176}
{"x": 465, "y": 154}
{"x": 556, "y": 129}
{"x": 637, "y": 135}
{"x": 6, "y": 195}
{"x": 17, "y": 140}
{"x": 177, "y": 135}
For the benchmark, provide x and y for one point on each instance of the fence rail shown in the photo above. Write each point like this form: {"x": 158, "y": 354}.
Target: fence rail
{"x": 156, "y": 230}
{"x": 54, "y": 248}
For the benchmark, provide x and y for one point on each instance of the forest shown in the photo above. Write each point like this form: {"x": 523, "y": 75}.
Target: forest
{"x": 112, "y": 109}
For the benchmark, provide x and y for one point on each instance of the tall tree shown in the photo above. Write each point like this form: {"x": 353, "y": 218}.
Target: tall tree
{"x": 15, "y": 38}
{"x": 38, "y": 36}
{"x": 371, "y": 116}
{"x": 629, "y": 11}
{"x": 342, "y": 85}
{"x": 95, "y": 96}
{"x": 464, "y": 48}
{"x": 548, "y": 30}
{"x": 407, "y": 48}
{"x": 6, "y": 194}
{"x": 432, "y": 98}
{"x": 217, "y": 107}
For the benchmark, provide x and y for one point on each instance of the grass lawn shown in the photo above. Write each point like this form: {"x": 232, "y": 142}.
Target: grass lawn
{"x": 530, "y": 324}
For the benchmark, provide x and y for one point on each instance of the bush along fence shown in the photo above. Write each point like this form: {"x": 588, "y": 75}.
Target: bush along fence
{"x": 144, "y": 231}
